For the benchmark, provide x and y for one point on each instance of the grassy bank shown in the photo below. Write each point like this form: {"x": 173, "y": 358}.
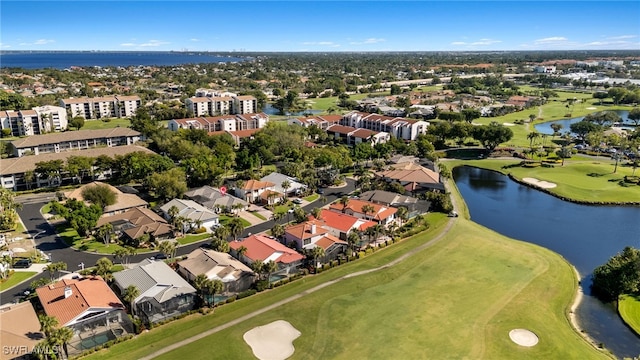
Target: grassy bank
{"x": 581, "y": 180}
{"x": 629, "y": 309}
{"x": 456, "y": 299}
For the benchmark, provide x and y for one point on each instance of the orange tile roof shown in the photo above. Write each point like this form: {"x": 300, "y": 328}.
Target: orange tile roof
{"x": 380, "y": 212}
{"x": 20, "y": 328}
{"x": 328, "y": 240}
{"x": 256, "y": 185}
{"x": 260, "y": 247}
{"x": 86, "y": 293}
{"x": 265, "y": 194}
{"x": 303, "y": 230}
{"x": 244, "y": 133}
{"x": 343, "y": 222}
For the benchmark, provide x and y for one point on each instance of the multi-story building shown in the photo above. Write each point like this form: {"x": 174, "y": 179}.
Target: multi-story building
{"x": 221, "y": 105}
{"x": 401, "y": 128}
{"x": 221, "y": 123}
{"x": 101, "y": 107}
{"x": 36, "y": 121}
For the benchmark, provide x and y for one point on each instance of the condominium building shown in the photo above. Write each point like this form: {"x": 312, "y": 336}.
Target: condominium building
{"x": 74, "y": 140}
{"x": 38, "y": 120}
{"x": 401, "y": 128}
{"x": 102, "y": 107}
{"x": 221, "y": 105}
{"x": 221, "y": 123}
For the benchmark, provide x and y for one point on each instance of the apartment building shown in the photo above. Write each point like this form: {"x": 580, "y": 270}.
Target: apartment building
{"x": 222, "y": 123}
{"x": 401, "y": 128}
{"x": 102, "y": 107}
{"x": 221, "y": 105}
{"x": 38, "y": 120}
{"x": 74, "y": 140}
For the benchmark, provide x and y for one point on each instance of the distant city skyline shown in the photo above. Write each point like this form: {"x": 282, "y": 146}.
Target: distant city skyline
{"x": 319, "y": 26}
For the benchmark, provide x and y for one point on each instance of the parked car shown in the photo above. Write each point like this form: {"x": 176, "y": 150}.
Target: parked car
{"x": 297, "y": 201}
{"x": 320, "y": 191}
{"x": 22, "y": 264}
{"x": 160, "y": 256}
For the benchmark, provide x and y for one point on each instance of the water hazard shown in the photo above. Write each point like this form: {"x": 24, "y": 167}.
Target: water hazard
{"x": 587, "y": 236}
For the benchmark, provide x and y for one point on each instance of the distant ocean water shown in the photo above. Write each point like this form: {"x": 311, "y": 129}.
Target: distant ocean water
{"x": 64, "y": 60}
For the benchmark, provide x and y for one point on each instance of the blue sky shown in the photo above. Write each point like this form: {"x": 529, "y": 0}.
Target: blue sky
{"x": 319, "y": 25}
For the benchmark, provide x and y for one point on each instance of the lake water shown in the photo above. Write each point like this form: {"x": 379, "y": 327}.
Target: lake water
{"x": 64, "y": 60}
{"x": 587, "y": 236}
{"x": 545, "y": 128}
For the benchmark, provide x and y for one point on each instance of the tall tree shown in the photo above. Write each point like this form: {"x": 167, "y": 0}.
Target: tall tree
{"x": 101, "y": 195}
{"x": 235, "y": 227}
{"x": 129, "y": 295}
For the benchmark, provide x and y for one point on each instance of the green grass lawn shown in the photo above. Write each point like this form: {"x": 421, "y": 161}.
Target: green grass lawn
{"x": 456, "y": 299}
{"x": 312, "y": 198}
{"x": 225, "y": 219}
{"x": 16, "y": 278}
{"x": 629, "y": 309}
{"x": 590, "y": 180}
{"x": 258, "y": 215}
{"x": 99, "y": 124}
{"x": 191, "y": 238}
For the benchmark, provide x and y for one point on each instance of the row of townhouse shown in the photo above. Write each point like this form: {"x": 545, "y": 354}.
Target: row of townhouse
{"x": 400, "y": 128}
{"x": 118, "y": 106}
{"x": 222, "y": 105}
{"x": 213, "y": 124}
{"x": 38, "y": 120}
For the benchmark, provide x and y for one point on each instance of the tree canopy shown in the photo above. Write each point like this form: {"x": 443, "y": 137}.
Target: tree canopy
{"x": 620, "y": 275}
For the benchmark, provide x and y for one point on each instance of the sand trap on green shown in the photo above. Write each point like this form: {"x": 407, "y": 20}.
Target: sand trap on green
{"x": 591, "y": 108}
{"x": 539, "y": 183}
{"x": 523, "y": 337}
{"x": 273, "y": 341}
{"x": 508, "y": 124}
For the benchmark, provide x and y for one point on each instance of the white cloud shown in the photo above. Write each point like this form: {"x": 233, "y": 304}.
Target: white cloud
{"x": 481, "y": 42}
{"x": 368, "y": 41}
{"x": 551, "y": 40}
{"x": 194, "y": 40}
{"x": 150, "y": 43}
{"x": 320, "y": 43}
{"x": 622, "y": 37}
{"x": 38, "y": 42}
{"x": 4, "y": 46}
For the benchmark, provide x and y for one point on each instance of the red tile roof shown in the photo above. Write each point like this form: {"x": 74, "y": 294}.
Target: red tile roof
{"x": 344, "y": 222}
{"x": 380, "y": 212}
{"x": 244, "y": 133}
{"x": 260, "y": 247}
{"x": 303, "y": 231}
{"x": 89, "y": 292}
{"x": 256, "y": 185}
{"x": 328, "y": 240}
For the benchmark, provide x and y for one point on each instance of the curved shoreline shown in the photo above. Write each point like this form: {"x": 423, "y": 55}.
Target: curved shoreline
{"x": 573, "y": 319}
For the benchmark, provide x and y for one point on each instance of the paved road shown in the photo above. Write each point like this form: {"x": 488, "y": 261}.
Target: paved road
{"x": 47, "y": 240}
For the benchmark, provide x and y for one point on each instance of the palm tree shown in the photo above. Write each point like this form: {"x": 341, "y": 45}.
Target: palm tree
{"x": 317, "y": 252}
{"x": 29, "y": 176}
{"x": 316, "y": 212}
{"x": 173, "y": 213}
{"x": 48, "y": 324}
{"x": 129, "y": 295}
{"x": 200, "y": 283}
{"x": 62, "y": 336}
{"x": 285, "y": 186}
{"x": 130, "y": 251}
{"x": 104, "y": 233}
{"x": 103, "y": 266}
{"x": 220, "y": 245}
{"x": 236, "y": 207}
{"x": 120, "y": 253}
{"x": 222, "y": 232}
{"x": 257, "y": 266}
{"x": 235, "y": 227}
{"x": 353, "y": 238}
{"x": 214, "y": 287}
{"x": 242, "y": 250}
{"x": 344, "y": 201}
{"x": 278, "y": 231}
{"x": 367, "y": 209}
{"x": 402, "y": 214}
{"x": 269, "y": 267}
{"x": 167, "y": 248}
{"x": 532, "y": 136}
{"x": 276, "y": 216}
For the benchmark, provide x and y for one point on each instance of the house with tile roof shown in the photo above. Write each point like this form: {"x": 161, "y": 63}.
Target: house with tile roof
{"x": 340, "y": 224}
{"x": 215, "y": 200}
{"x": 163, "y": 293}
{"x": 381, "y": 214}
{"x": 413, "y": 205}
{"x": 87, "y": 306}
{"x": 400, "y": 128}
{"x": 123, "y": 202}
{"x": 252, "y": 189}
{"x": 265, "y": 249}
{"x": 413, "y": 177}
{"x": 13, "y": 170}
{"x": 278, "y": 179}
{"x": 132, "y": 224}
{"x": 20, "y": 331}
{"x": 194, "y": 213}
{"x": 314, "y": 233}
{"x": 235, "y": 275}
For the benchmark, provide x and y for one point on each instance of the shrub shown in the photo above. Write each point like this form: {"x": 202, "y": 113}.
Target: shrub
{"x": 230, "y": 300}
{"x": 260, "y": 285}
{"x": 200, "y": 230}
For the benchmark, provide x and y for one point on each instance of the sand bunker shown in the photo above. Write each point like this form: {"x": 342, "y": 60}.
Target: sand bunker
{"x": 508, "y": 124}
{"x": 273, "y": 341}
{"x": 540, "y": 183}
{"x": 523, "y": 337}
{"x": 591, "y": 108}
